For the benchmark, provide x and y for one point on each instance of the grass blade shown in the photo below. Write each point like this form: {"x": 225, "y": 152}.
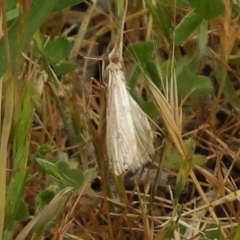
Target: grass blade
{"x": 20, "y": 158}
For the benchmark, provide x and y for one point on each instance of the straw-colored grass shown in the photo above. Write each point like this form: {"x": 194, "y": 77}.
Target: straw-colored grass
{"x": 55, "y": 181}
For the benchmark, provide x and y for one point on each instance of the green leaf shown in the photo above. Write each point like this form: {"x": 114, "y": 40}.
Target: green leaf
{"x": 65, "y": 4}
{"x": 183, "y": 62}
{"x": 46, "y": 195}
{"x": 76, "y": 178}
{"x": 22, "y": 213}
{"x": 173, "y": 160}
{"x": 62, "y": 156}
{"x": 133, "y": 78}
{"x": 64, "y": 68}
{"x": 60, "y": 170}
{"x": 197, "y": 85}
{"x": 161, "y": 16}
{"x": 208, "y": 9}
{"x": 58, "y": 49}
{"x": 51, "y": 210}
{"x": 73, "y": 177}
{"x": 12, "y": 14}
{"x": 34, "y": 21}
{"x": 182, "y": 177}
{"x": 88, "y": 174}
{"x": 50, "y": 168}
{"x": 39, "y": 42}
{"x": 186, "y": 164}
{"x": 214, "y": 232}
{"x": 11, "y": 4}
{"x": 203, "y": 38}
{"x": 44, "y": 150}
{"x": 153, "y": 72}
{"x": 186, "y": 27}
{"x": 147, "y": 106}
{"x": 142, "y": 52}
{"x": 166, "y": 69}
{"x": 234, "y": 60}
{"x": 199, "y": 160}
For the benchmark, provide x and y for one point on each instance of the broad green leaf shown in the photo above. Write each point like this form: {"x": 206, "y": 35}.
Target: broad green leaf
{"x": 147, "y": 106}
{"x": 153, "y": 72}
{"x": 208, "y": 9}
{"x": 186, "y": 27}
{"x": 76, "y": 178}
{"x": 133, "y": 78}
{"x": 63, "y": 168}
{"x": 73, "y": 177}
{"x": 22, "y": 213}
{"x": 58, "y": 49}
{"x": 64, "y": 68}
{"x": 173, "y": 160}
{"x": 196, "y": 85}
{"x": 50, "y": 168}
{"x": 192, "y": 63}
{"x": 195, "y": 63}
{"x": 182, "y": 63}
{"x": 142, "y": 52}
{"x": 46, "y": 195}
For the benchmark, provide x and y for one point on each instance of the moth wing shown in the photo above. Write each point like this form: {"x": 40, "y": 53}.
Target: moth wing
{"x": 143, "y": 129}
{"x": 121, "y": 137}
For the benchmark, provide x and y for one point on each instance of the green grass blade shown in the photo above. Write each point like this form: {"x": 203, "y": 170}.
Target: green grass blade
{"x": 186, "y": 27}
{"x": 20, "y": 158}
{"x": 12, "y": 14}
{"x": 49, "y": 212}
{"x": 5, "y": 133}
{"x": 37, "y": 15}
{"x": 65, "y": 4}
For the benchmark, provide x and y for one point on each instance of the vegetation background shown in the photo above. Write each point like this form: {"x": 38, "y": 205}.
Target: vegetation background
{"x": 182, "y": 66}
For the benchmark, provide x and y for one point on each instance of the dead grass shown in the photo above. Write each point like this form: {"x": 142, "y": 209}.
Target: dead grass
{"x": 210, "y": 198}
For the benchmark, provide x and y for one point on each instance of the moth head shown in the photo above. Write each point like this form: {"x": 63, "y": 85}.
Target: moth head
{"x": 115, "y": 55}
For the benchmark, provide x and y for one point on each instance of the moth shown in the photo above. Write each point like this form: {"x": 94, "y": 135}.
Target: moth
{"x": 129, "y": 137}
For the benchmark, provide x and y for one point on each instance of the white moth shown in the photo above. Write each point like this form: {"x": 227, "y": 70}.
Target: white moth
{"x": 129, "y": 137}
